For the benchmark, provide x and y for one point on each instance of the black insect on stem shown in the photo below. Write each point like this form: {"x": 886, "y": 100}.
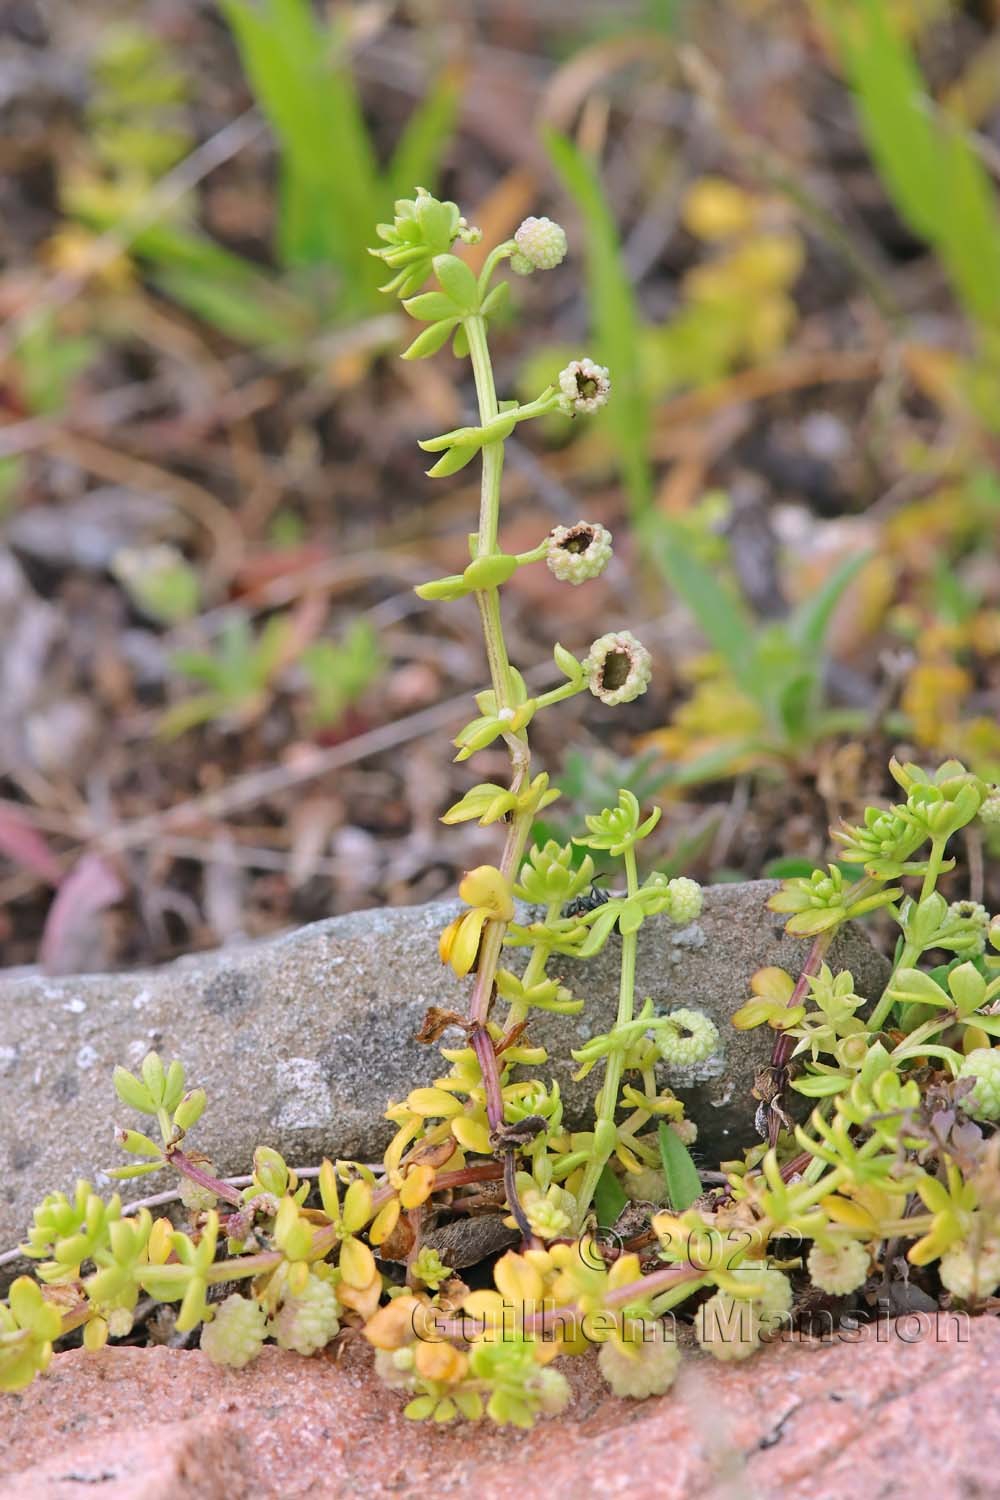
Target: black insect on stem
{"x": 586, "y": 901}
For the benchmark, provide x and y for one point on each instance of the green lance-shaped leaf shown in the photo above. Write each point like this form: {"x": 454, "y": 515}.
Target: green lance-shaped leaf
{"x": 431, "y": 340}
{"x": 459, "y": 282}
{"x": 683, "y": 1182}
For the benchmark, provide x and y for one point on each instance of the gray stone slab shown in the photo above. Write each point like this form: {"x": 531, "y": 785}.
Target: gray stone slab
{"x": 300, "y": 1041}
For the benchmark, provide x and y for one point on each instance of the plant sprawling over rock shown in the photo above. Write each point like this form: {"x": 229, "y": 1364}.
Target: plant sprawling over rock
{"x": 612, "y": 1228}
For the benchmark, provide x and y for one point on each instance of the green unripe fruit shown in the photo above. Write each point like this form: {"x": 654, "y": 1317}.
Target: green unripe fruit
{"x": 236, "y": 1332}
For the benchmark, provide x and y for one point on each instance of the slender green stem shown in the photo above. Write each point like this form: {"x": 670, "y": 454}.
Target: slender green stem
{"x": 486, "y": 394}
{"x": 496, "y": 650}
{"x": 247, "y": 1265}
{"x": 535, "y": 555}
{"x": 534, "y": 970}
{"x": 829, "y": 1184}
{"x": 488, "y": 601}
{"x": 933, "y": 870}
{"x": 607, "y": 1099}
{"x": 492, "y": 261}
{"x": 559, "y": 694}
{"x": 926, "y": 1030}
{"x": 493, "y": 933}
{"x": 911, "y": 951}
{"x": 880, "y": 1014}
{"x": 814, "y": 1171}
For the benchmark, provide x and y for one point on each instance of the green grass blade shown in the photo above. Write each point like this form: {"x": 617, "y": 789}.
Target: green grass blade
{"x": 717, "y": 764}
{"x": 222, "y": 288}
{"x": 609, "y": 1198}
{"x": 417, "y": 157}
{"x": 665, "y": 15}
{"x": 969, "y": 241}
{"x": 929, "y": 168}
{"x": 796, "y": 703}
{"x": 722, "y": 620}
{"x": 809, "y": 624}
{"x": 888, "y": 89}
{"x": 253, "y": 321}
{"x": 615, "y": 317}
{"x": 329, "y": 175}
{"x": 683, "y": 1182}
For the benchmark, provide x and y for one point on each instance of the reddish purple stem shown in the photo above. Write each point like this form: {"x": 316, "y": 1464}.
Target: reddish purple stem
{"x": 489, "y": 1068}
{"x": 482, "y": 1045}
{"x": 784, "y": 1044}
{"x": 190, "y": 1169}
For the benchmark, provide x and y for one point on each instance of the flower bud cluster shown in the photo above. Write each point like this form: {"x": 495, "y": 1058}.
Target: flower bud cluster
{"x": 971, "y": 1272}
{"x": 688, "y": 1037}
{"x": 686, "y": 900}
{"x": 967, "y": 928}
{"x": 989, "y": 813}
{"x": 236, "y": 1333}
{"x": 308, "y": 1320}
{"x": 961, "y": 927}
{"x": 983, "y": 1065}
{"x": 840, "y": 1268}
{"x": 731, "y": 1326}
{"x": 541, "y": 246}
{"x": 642, "y": 1362}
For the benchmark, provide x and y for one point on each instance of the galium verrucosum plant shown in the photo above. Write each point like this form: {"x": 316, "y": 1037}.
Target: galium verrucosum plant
{"x": 310, "y": 1268}
{"x": 900, "y": 1149}
{"x": 616, "y": 669}
{"x": 904, "y": 1094}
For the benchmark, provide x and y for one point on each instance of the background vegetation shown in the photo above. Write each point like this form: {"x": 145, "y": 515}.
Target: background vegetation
{"x": 211, "y": 504}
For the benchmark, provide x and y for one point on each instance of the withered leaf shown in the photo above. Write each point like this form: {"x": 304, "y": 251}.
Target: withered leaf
{"x": 436, "y": 1021}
